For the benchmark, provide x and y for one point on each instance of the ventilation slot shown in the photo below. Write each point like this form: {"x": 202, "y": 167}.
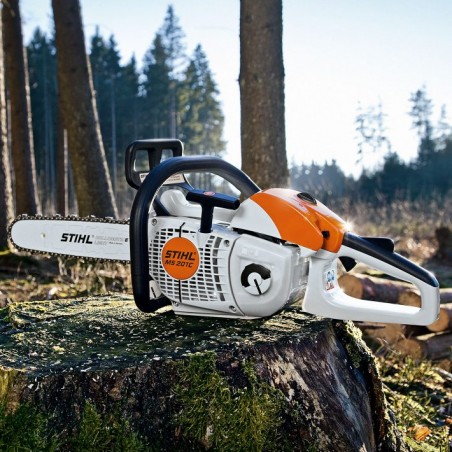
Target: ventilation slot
{"x": 209, "y": 284}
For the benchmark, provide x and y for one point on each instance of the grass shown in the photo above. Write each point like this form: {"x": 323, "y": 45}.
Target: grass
{"x": 421, "y": 400}
{"x": 25, "y": 278}
{"x": 397, "y": 219}
{"x": 104, "y": 433}
{"x": 24, "y": 429}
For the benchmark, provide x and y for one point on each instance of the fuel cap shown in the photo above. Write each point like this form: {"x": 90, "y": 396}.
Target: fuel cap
{"x": 307, "y": 197}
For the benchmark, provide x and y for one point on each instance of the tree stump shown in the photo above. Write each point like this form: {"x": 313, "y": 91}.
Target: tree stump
{"x": 289, "y": 382}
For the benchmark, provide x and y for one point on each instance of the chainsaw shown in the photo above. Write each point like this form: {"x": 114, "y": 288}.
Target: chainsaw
{"x": 214, "y": 254}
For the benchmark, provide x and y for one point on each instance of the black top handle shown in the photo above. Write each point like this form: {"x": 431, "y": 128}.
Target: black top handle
{"x": 155, "y": 149}
{"x": 140, "y": 213}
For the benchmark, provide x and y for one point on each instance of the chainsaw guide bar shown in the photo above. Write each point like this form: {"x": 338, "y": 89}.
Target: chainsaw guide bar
{"x": 58, "y": 232}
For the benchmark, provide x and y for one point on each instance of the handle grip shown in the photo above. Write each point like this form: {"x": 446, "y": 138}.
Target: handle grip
{"x": 324, "y": 296}
{"x": 154, "y": 149}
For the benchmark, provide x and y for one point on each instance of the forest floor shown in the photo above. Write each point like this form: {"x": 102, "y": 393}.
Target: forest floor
{"x": 418, "y": 392}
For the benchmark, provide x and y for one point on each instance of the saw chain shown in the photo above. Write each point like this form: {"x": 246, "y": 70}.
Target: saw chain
{"x": 57, "y": 217}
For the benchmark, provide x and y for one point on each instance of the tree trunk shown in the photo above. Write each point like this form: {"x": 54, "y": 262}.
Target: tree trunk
{"x": 413, "y": 297}
{"x": 26, "y": 188}
{"x": 92, "y": 180}
{"x": 290, "y": 382}
{"x": 62, "y": 199}
{"x": 261, "y": 81}
{"x": 6, "y": 195}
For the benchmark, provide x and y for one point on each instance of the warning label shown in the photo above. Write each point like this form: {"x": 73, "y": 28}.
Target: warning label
{"x": 180, "y": 258}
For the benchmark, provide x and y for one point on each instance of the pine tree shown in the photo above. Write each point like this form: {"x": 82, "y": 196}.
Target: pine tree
{"x": 157, "y": 91}
{"x": 128, "y": 99}
{"x": 201, "y": 117}
{"x": 371, "y": 132}
{"x": 163, "y": 64}
{"x": 421, "y": 112}
{"x": 105, "y": 65}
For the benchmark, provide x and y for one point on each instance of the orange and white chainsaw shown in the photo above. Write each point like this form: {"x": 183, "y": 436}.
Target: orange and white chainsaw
{"x": 208, "y": 254}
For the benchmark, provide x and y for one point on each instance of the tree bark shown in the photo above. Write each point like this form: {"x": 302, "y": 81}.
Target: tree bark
{"x": 261, "y": 82}
{"x": 290, "y": 382}
{"x": 26, "y": 188}
{"x": 6, "y": 195}
{"x": 62, "y": 199}
{"x": 91, "y": 177}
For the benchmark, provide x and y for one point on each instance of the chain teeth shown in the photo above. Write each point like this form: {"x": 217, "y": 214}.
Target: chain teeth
{"x": 58, "y": 217}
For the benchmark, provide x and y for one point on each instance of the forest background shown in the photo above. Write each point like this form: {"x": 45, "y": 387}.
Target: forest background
{"x": 131, "y": 107}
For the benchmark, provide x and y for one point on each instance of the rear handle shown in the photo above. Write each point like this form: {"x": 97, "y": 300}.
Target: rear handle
{"x": 324, "y": 296}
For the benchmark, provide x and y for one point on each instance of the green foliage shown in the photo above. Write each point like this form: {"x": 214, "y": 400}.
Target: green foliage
{"x": 224, "y": 416}
{"x": 24, "y": 430}
{"x": 201, "y": 118}
{"x": 104, "y": 433}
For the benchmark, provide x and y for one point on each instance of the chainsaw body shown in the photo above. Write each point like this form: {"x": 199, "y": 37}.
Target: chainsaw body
{"x": 208, "y": 254}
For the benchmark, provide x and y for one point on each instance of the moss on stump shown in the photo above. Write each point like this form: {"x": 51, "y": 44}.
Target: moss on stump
{"x": 289, "y": 382}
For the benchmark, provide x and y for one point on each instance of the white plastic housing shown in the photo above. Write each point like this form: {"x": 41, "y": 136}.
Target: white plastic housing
{"x": 324, "y": 296}
{"x": 216, "y": 288}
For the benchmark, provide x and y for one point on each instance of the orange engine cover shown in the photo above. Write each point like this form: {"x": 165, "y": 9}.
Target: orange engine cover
{"x": 301, "y": 219}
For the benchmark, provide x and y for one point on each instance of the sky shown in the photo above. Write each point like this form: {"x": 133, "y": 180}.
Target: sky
{"x": 337, "y": 55}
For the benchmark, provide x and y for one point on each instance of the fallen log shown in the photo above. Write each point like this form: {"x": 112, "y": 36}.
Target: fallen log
{"x": 411, "y": 297}
{"x": 444, "y": 321}
{"x": 370, "y": 288}
{"x": 431, "y": 346}
{"x": 444, "y": 238}
{"x": 390, "y": 333}
{"x": 190, "y": 383}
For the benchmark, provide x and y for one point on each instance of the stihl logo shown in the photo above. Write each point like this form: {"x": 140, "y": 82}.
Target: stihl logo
{"x": 182, "y": 255}
{"x": 76, "y": 238}
{"x": 180, "y": 258}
